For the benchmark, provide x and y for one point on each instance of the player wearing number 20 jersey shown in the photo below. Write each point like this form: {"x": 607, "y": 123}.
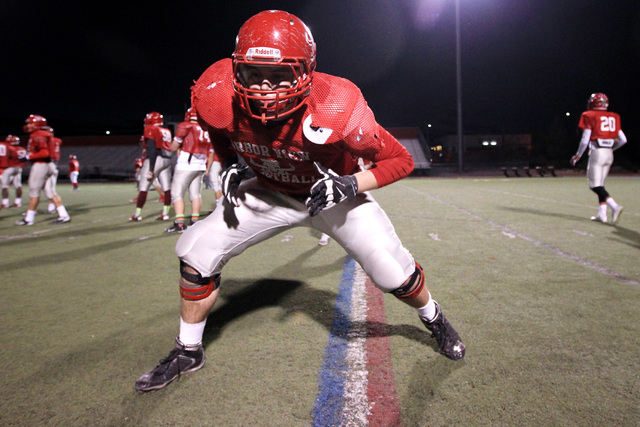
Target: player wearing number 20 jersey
{"x": 602, "y": 134}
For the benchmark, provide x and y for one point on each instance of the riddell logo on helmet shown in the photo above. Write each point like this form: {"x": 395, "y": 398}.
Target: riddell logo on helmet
{"x": 258, "y": 53}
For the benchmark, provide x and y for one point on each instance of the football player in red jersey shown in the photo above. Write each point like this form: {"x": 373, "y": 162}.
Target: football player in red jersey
{"x": 193, "y": 145}
{"x": 602, "y": 134}
{"x": 52, "y": 181}
{"x": 302, "y": 141}
{"x": 156, "y": 164}
{"x": 12, "y": 166}
{"x": 41, "y": 150}
{"x": 74, "y": 170}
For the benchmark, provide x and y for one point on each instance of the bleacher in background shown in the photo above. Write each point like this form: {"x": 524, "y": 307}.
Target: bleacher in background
{"x": 112, "y": 157}
{"x": 101, "y": 157}
{"x": 415, "y": 143}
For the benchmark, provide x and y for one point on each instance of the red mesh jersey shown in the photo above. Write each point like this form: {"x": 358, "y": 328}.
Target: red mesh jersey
{"x": 335, "y": 128}
{"x": 194, "y": 139}
{"x": 603, "y": 124}
{"x": 54, "y": 149}
{"x": 40, "y": 142}
{"x": 160, "y": 135}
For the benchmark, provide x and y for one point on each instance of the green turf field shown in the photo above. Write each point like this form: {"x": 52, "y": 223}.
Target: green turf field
{"x": 547, "y": 302}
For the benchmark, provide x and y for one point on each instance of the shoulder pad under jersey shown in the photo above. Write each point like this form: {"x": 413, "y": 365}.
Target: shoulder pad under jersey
{"x": 213, "y": 96}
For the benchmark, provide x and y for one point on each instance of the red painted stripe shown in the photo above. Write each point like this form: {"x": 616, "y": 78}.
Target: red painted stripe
{"x": 383, "y": 399}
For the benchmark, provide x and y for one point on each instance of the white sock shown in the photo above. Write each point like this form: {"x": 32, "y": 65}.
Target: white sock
{"x": 51, "y": 207}
{"x": 17, "y": 201}
{"x": 602, "y": 210}
{"x": 30, "y": 216}
{"x": 428, "y": 312}
{"x": 62, "y": 212}
{"x": 191, "y": 333}
{"x": 5, "y": 202}
{"x": 612, "y": 203}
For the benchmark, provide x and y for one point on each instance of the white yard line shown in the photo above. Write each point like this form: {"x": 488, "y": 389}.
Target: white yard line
{"x": 508, "y": 232}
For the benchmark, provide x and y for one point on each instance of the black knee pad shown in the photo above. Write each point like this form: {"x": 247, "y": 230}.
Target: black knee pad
{"x": 602, "y": 194}
{"x": 413, "y": 287}
{"x": 195, "y": 287}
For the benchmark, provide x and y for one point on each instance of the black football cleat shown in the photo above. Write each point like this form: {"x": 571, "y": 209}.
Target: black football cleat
{"x": 448, "y": 339}
{"x": 181, "y": 360}
{"x": 176, "y": 228}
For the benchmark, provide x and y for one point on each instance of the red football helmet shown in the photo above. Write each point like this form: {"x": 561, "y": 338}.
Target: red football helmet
{"x": 191, "y": 115}
{"x": 277, "y": 39}
{"x": 153, "y": 118}
{"x": 598, "y": 101}
{"x": 12, "y": 139}
{"x": 33, "y": 123}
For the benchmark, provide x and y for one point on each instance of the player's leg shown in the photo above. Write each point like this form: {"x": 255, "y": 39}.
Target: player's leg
{"x": 600, "y": 161}
{"x": 37, "y": 177}
{"x": 17, "y": 184}
{"x": 4, "y": 183}
{"x": 178, "y": 188}
{"x": 195, "y": 196}
{"x": 143, "y": 189}
{"x": 163, "y": 172}
{"x": 50, "y": 192}
{"x": 365, "y": 231}
{"x": 203, "y": 251}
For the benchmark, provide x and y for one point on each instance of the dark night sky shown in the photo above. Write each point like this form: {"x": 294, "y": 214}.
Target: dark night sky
{"x": 105, "y": 66}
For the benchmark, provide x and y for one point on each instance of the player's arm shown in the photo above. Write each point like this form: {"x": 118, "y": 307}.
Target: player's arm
{"x": 152, "y": 152}
{"x": 41, "y": 149}
{"x": 584, "y": 143}
{"x": 620, "y": 140}
{"x": 391, "y": 162}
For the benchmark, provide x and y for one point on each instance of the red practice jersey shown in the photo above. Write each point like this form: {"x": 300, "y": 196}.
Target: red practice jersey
{"x": 16, "y": 152}
{"x": 194, "y": 139}
{"x": 74, "y": 165}
{"x": 4, "y": 155}
{"x": 9, "y": 155}
{"x": 39, "y": 145}
{"x": 55, "y": 149}
{"x": 603, "y": 124}
{"x": 161, "y": 136}
{"x": 334, "y": 128}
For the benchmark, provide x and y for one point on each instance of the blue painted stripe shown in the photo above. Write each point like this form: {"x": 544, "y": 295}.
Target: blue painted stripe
{"x": 331, "y": 379}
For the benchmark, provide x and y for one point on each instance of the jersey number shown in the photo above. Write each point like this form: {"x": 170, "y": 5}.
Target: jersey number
{"x": 607, "y": 124}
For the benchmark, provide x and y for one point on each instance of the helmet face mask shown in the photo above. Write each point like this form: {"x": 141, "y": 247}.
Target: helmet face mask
{"x": 269, "y": 90}
{"x": 598, "y": 101}
{"x": 280, "y": 47}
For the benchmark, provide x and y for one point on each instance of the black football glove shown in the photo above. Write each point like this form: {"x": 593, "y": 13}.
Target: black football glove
{"x": 231, "y": 179}
{"x": 330, "y": 190}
